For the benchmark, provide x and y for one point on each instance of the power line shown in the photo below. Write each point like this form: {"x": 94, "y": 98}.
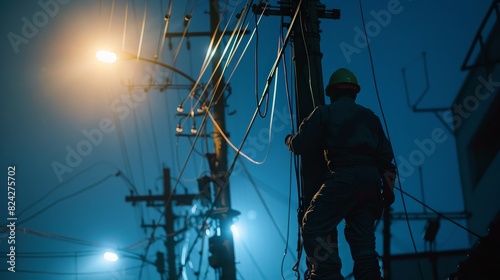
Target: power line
{"x": 74, "y": 177}
{"x": 73, "y": 273}
{"x": 252, "y": 259}
{"x": 266, "y": 207}
{"x": 65, "y": 198}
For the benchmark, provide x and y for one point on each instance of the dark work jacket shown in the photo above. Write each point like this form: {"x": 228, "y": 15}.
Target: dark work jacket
{"x": 348, "y": 132}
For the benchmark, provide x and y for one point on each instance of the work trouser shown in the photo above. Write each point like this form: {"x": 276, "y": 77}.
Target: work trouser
{"x": 351, "y": 193}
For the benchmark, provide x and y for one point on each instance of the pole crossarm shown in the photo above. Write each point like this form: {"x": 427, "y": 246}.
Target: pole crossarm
{"x": 286, "y": 9}
{"x": 182, "y": 199}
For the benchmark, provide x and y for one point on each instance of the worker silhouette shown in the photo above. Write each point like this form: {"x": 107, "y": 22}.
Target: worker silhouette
{"x": 359, "y": 158}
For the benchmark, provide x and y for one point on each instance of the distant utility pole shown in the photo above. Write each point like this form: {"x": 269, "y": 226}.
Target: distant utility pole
{"x": 166, "y": 200}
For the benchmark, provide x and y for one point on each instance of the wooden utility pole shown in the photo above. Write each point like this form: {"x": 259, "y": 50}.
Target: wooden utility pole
{"x": 166, "y": 200}
{"x": 309, "y": 87}
{"x": 169, "y": 226}
{"x": 222, "y": 203}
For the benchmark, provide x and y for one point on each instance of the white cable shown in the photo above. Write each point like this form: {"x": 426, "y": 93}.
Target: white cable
{"x": 212, "y": 53}
{"x": 308, "y": 63}
{"x": 143, "y": 29}
{"x": 244, "y": 50}
{"x": 270, "y": 129}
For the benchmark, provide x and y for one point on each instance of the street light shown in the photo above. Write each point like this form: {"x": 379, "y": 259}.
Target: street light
{"x": 106, "y": 56}
{"x": 110, "y": 256}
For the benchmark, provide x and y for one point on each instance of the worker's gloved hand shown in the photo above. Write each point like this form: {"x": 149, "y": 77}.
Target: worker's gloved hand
{"x": 288, "y": 142}
{"x": 389, "y": 179}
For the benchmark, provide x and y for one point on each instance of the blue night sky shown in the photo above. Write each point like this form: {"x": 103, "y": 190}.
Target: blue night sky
{"x": 70, "y": 123}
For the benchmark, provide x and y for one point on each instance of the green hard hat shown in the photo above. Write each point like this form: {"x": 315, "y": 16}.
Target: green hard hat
{"x": 342, "y": 78}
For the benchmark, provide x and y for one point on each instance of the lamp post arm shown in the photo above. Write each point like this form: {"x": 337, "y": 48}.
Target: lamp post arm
{"x": 128, "y": 55}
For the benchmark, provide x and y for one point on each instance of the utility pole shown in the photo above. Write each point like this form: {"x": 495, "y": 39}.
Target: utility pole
{"x": 222, "y": 203}
{"x": 166, "y": 200}
{"x": 309, "y": 85}
{"x": 169, "y": 226}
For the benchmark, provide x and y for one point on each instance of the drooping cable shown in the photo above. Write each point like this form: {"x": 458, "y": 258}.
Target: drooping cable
{"x": 245, "y": 48}
{"x": 296, "y": 163}
{"x": 256, "y": 69}
{"x": 236, "y": 45}
{"x": 261, "y": 198}
{"x": 209, "y": 56}
{"x": 111, "y": 15}
{"x": 252, "y": 259}
{"x": 438, "y": 213}
{"x": 121, "y": 138}
{"x": 77, "y": 175}
{"x": 72, "y": 240}
{"x": 386, "y": 127}
{"x": 103, "y": 273}
{"x": 265, "y": 92}
{"x": 184, "y": 165}
{"x": 145, "y": 123}
{"x": 102, "y": 180}
{"x": 163, "y": 35}
{"x": 269, "y": 133}
{"x": 293, "y": 163}
{"x": 139, "y": 147}
{"x": 203, "y": 123}
{"x": 153, "y": 131}
{"x": 178, "y": 180}
{"x": 187, "y": 22}
{"x": 73, "y": 254}
{"x": 142, "y": 29}
{"x": 270, "y": 121}
{"x": 217, "y": 63}
{"x": 403, "y": 193}
{"x": 232, "y": 52}
{"x": 309, "y": 81}
{"x": 124, "y": 36}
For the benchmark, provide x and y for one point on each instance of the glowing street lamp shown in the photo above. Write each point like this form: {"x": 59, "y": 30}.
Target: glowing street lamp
{"x": 110, "y": 256}
{"x": 106, "y": 56}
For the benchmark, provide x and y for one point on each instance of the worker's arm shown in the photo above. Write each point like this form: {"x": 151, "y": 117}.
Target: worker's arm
{"x": 309, "y": 136}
